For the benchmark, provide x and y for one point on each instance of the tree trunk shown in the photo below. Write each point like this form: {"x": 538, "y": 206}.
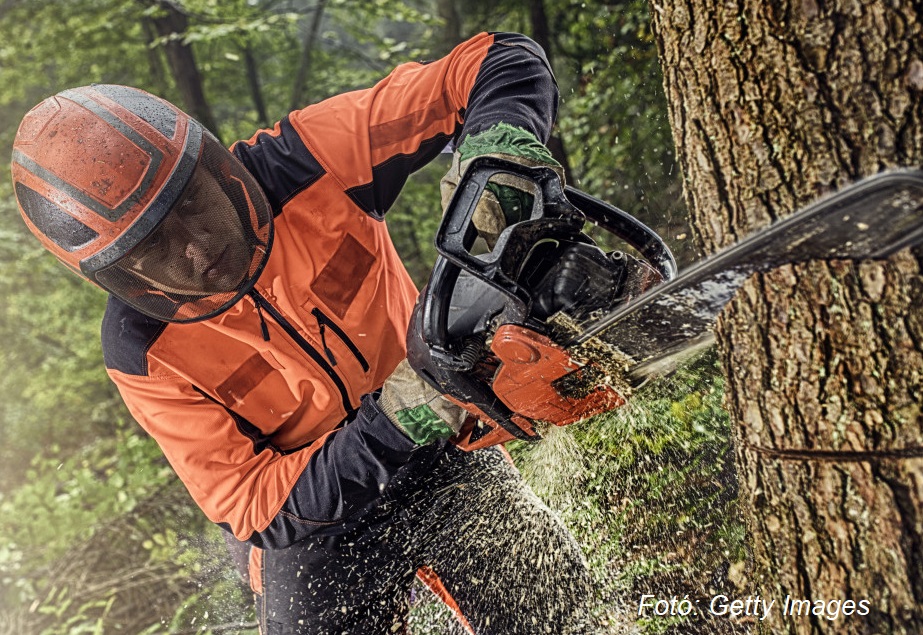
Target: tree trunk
{"x": 541, "y": 33}
{"x": 451, "y": 33}
{"x": 253, "y": 82}
{"x": 307, "y": 54}
{"x": 155, "y": 61}
{"x": 773, "y": 105}
{"x": 171, "y": 25}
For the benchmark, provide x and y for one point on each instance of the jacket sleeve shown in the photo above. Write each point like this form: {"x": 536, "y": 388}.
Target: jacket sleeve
{"x": 371, "y": 140}
{"x": 265, "y": 497}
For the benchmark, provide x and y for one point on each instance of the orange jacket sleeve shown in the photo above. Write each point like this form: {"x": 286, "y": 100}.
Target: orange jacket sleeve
{"x": 371, "y": 140}
{"x": 211, "y": 452}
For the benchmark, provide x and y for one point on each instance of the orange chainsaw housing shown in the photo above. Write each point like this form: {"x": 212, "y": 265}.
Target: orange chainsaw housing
{"x": 531, "y": 365}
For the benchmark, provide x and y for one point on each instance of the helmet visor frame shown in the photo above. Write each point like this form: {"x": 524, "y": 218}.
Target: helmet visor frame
{"x": 202, "y": 247}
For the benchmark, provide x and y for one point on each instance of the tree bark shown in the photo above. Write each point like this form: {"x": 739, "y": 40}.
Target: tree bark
{"x": 253, "y": 83}
{"x": 773, "y": 105}
{"x": 170, "y": 25}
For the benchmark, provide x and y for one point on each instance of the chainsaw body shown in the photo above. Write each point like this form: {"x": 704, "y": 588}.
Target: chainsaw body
{"x": 488, "y": 328}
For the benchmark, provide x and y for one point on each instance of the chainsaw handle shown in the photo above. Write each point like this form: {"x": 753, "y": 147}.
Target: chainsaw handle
{"x": 457, "y": 233}
{"x": 433, "y": 306}
{"x": 553, "y": 203}
{"x": 430, "y": 357}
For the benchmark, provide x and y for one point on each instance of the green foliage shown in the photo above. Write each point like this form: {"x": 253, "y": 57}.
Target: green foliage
{"x": 65, "y": 496}
{"x": 106, "y": 539}
{"x": 52, "y": 385}
{"x": 613, "y": 113}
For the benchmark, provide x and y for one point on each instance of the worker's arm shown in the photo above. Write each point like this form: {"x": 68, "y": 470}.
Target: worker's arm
{"x": 371, "y": 140}
{"x": 261, "y": 495}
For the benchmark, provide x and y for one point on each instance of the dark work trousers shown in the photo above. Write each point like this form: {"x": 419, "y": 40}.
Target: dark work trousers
{"x": 505, "y": 559}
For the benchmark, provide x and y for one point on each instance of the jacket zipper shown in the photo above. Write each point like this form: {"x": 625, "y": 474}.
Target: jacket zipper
{"x": 265, "y": 305}
{"x": 323, "y": 322}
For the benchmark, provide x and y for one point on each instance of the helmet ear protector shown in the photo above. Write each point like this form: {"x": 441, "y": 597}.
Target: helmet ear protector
{"x": 107, "y": 177}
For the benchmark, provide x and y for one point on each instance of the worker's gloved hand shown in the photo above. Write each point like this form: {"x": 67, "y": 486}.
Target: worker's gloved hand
{"x": 507, "y": 199}
{"x": 417, "y": 409}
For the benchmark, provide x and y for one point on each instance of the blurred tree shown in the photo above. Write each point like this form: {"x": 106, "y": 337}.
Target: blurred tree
{"x": 451, "y": 33}
{"x": 307, "y": 54}
{"x": 171, "y": 23}
{"x": 772, "y": 106}
{"x": 541, "y": 33}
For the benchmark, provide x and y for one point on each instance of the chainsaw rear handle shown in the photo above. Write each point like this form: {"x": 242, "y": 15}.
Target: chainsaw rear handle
{"x": 430, "y": 356}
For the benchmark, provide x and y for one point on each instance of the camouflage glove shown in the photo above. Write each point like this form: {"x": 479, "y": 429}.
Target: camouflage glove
{"x": 507, "y": 200}
{"x": 417, "y": 409}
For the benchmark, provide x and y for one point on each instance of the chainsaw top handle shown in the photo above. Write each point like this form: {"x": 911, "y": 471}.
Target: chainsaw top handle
{"x": 457, "y": 233}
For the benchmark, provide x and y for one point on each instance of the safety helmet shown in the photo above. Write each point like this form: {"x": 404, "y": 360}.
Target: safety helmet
{"x": 134, "y": 195}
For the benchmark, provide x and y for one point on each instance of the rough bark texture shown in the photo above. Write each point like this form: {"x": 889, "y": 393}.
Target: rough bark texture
{"x": 773, "y": 105}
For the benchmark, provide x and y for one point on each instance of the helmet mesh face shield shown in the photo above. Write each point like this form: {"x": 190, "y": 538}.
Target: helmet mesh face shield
{"x": 207, "y": 250}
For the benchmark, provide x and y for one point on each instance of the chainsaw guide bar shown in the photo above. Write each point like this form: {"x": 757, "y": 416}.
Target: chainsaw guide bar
{"x": 868, "y": 220}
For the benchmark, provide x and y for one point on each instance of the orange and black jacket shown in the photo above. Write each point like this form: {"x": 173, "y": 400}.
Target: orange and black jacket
{"x": 266, "y": 411}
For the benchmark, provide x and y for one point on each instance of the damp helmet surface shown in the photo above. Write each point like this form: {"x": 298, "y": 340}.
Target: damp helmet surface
{"x": 134, "y": 195}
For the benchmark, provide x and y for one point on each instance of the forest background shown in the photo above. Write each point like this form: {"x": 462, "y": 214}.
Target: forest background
{"x": 96, "y": 533}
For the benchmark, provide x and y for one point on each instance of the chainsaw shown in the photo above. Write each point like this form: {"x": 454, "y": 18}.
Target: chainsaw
{"x": 549, "y": 327}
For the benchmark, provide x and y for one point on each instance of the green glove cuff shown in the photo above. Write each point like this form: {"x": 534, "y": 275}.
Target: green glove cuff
{"x": 423, "y": 425}
{"x": 503, "y": 138}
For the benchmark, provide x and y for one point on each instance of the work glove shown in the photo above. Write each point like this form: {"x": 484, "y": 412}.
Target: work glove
{"x": 506, "y": 199}
{"x": 417, "y": 409}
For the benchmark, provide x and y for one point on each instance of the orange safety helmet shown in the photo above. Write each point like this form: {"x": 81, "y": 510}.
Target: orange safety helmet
{"x": 136, "y": 196}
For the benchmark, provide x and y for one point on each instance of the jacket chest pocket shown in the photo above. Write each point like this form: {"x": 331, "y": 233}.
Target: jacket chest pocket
{"x": 339, "y": 283}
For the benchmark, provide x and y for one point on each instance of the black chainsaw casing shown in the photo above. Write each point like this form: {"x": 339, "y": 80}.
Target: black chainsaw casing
{"x": 540, "y": 266}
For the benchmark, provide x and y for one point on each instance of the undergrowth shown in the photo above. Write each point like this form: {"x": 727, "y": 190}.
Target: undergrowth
{"x": 650, "y": 493}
